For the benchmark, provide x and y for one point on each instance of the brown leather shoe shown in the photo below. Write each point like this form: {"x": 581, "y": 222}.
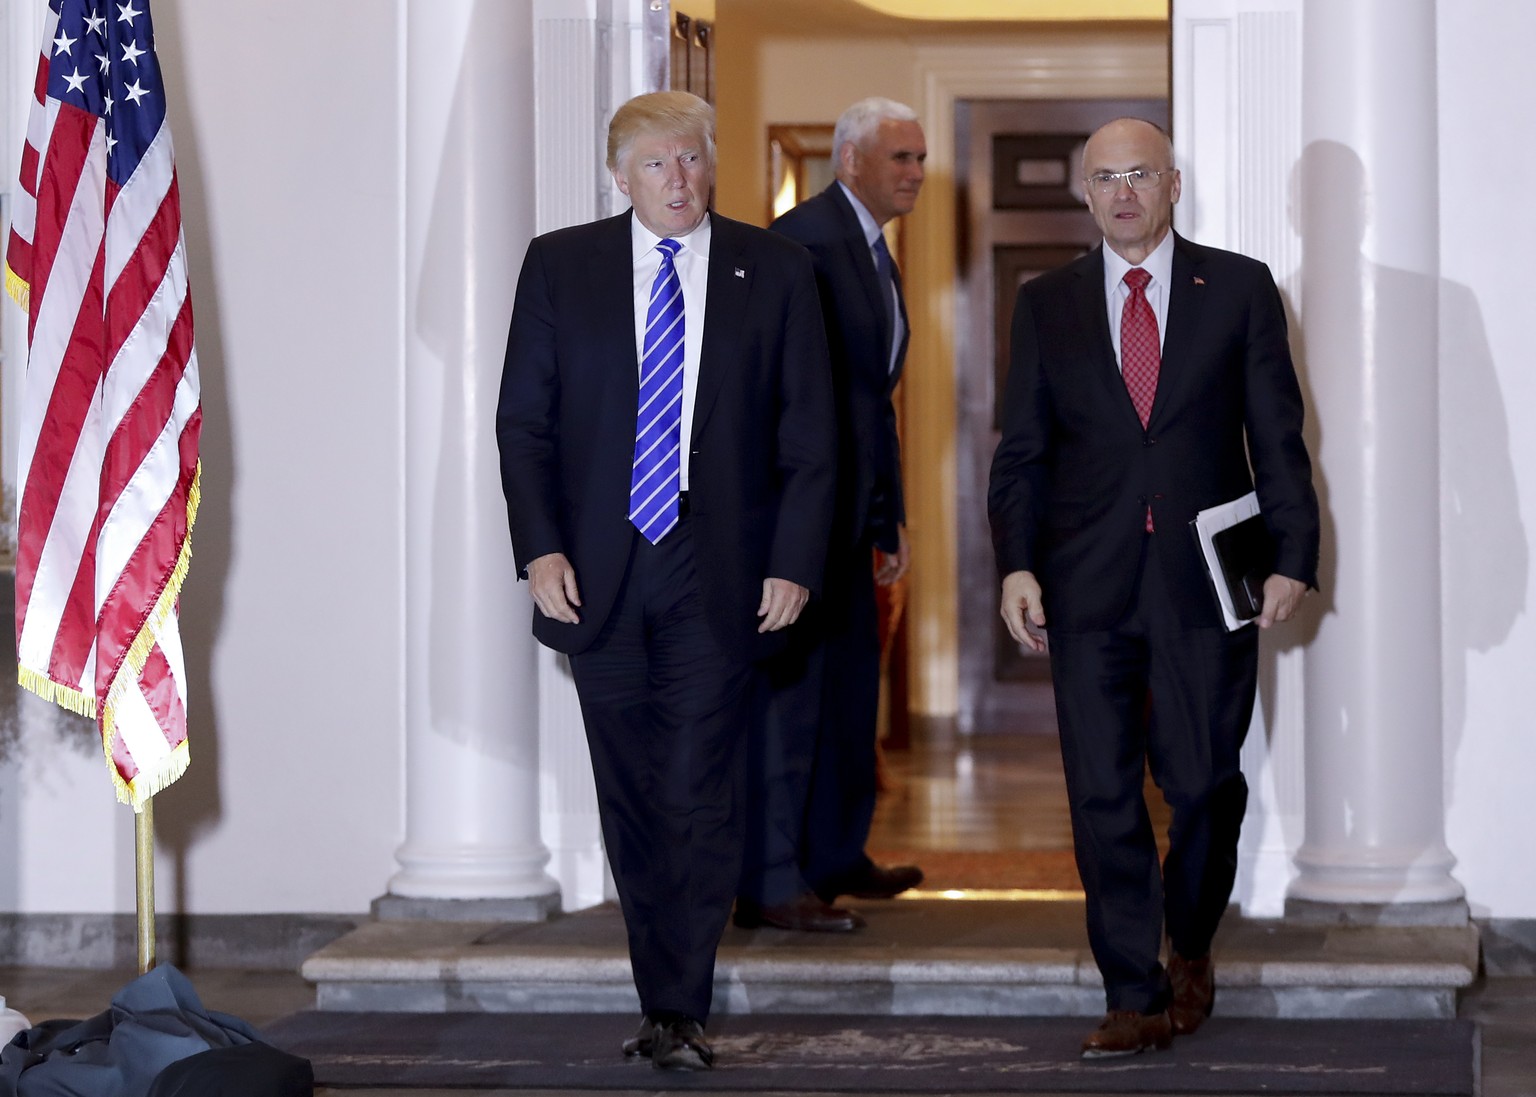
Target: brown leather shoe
{"x": 1194, "y": 991}
{"x": 805, "y": 913}
{"x": 1126, "y": 1032}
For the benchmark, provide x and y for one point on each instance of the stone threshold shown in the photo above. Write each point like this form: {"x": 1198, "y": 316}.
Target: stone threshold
{"x": 917, "y": 957}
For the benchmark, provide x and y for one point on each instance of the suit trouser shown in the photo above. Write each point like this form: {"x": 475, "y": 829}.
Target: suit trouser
{"x": 665, "y": 717}
{"x": 811, "y": 781}
{"x": 1152, "y": 692}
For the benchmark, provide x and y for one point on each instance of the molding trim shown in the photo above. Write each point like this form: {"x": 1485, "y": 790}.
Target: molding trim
{"x": 257, "y": 942}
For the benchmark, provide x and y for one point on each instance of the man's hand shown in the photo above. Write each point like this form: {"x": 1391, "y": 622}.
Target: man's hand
{"x": 889, "y": 567}
{"x": 553, "y": 583}
{"x": 1022, "y": 608}
{"x": 781, "y": 605}
{"x": 1281, "y": 597}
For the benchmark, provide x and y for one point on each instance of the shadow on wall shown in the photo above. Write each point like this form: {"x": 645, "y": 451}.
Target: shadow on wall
{"x": 192, "y": 805}
{"x": 464, "y": 327}
{"x": 1482, "y": 554}
{"x": 1288, "y": 799}
{"x": 1485, "y": 556}
{"x": 33, "y": 733}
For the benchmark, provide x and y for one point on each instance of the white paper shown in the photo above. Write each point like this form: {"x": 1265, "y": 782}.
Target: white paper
{"x": 1207, "y": 524}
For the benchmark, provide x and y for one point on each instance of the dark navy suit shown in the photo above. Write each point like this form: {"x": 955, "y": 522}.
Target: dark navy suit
{"x": 664, "y": 650}
{"x": 814, "y": 785}
{"x": 1132, "y": 614}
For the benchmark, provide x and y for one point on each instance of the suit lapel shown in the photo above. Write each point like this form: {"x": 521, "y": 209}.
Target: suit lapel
{"x": 862, "y": 261}
{"x": 1186, "y": 300}
{"x": 1093, "y": 314}
{"x": 725, "y": 303}
{"x": 612, "y": 287}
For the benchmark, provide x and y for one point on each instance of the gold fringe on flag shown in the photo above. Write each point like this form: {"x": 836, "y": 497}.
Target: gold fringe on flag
{"x": 19, "y": 289}
{"x": 146, "y": 785}
{"x": 61, "y": 695}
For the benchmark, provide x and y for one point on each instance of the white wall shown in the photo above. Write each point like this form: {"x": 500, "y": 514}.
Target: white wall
{"x": 1488, "y": 462}
{"x": 287, "y": 144}
{"x": 292, "y": 614}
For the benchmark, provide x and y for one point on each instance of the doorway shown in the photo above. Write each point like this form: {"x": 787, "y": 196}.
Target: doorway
{"x": 980, "y": 802}
{"x": 1020, "y": 212}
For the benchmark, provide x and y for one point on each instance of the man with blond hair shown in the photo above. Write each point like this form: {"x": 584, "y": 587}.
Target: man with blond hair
{"x": 667, "y": 454}
{"x": 1149, "y": 380}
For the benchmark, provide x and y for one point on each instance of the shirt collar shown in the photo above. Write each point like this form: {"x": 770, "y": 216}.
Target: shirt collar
{"x": 1159, "y": 265}
{"x": 866, "y": 219}
{"x": 643, "y": 241}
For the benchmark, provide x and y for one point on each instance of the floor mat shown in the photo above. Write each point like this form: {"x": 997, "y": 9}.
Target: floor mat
{"x": 846, "y": 1054}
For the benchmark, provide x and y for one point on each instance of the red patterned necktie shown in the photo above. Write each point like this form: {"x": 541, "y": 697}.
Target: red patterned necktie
{"x": 1140, "y": 354}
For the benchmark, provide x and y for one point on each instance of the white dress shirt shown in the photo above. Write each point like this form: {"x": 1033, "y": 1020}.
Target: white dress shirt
{"x": 1160, "y": 266}
{"x": 692, "y": 265}
{"x": 871, "y": 231}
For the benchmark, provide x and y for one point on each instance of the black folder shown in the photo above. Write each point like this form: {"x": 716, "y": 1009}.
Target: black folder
{"x": 1246, "y": 557}
{"x": 1239, "y": 556}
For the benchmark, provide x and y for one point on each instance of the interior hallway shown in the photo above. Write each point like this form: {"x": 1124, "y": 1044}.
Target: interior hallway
{"x": 985, "y": 812}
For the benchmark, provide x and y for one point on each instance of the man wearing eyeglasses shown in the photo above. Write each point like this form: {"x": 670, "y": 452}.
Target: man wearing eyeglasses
{"x": 1147, "y": 379}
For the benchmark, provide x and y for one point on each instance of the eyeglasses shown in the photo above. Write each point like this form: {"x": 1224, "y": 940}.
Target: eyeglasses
{"x": 1107, "y": 182}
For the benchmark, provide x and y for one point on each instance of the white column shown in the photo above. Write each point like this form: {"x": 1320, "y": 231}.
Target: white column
{"x": 1237, "y": 134}
{"x": 590, "y": 56}
{"x": 1368, "y": 203}
{"x": 470, "y": 690}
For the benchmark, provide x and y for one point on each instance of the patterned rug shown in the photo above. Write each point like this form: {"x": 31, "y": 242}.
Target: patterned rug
{"x": 841, "y": 1054}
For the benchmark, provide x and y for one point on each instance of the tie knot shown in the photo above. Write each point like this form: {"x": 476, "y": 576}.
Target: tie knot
{"x": 670, "y": 247}
{"x": 879, "y": 246}
{"x": 1137, "y": 279}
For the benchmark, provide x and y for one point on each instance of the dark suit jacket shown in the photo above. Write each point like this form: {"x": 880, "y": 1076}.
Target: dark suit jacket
{"x": 762, "y": 445}
{"x": 1075, "y": 471}
{"x": 869, "y": 496}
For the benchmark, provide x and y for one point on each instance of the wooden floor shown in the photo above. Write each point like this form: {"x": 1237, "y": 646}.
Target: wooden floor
{"x": 986, "y": 811}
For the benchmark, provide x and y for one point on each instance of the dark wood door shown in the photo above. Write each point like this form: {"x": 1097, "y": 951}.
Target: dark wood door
{"x": 1021, "y": 212}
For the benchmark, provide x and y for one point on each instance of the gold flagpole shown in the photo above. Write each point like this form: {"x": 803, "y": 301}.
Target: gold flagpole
{"x": 144, "y": 864}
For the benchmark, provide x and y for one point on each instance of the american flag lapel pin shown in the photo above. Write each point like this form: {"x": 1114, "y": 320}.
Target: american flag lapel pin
{"x": 1199, "y": 281}
{"x": 740, "y": 273}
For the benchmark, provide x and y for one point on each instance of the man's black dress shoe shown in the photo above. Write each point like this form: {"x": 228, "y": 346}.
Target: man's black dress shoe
{"x": 875, "y": 882}
{"x": 806, "y": 913}
{"x": 642, "y": 1041}
{"x": 680, "y": 1045}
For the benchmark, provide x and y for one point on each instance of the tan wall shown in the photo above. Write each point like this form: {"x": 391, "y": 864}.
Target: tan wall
{"x": 793, "y": 81}
{"x": 765, "y": 80}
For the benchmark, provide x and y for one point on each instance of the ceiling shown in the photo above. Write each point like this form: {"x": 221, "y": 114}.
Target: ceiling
{"x": 819, "y": 18}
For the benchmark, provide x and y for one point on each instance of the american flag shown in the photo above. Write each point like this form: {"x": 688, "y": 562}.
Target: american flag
{"x": 110, "y": 413}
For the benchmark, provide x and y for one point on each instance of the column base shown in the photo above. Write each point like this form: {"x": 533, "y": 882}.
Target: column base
{"x": 401, "y": 908}
{"x": 468, "y": 873}
{"x": 1316, "y": 912}
{"x": 1374, "y": 883}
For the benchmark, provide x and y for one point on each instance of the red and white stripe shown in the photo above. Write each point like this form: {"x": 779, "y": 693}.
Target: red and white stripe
{"x": 110, "y": 425}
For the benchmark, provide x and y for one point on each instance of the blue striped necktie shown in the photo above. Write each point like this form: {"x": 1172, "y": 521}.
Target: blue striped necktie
{"x": 656, "y": 476}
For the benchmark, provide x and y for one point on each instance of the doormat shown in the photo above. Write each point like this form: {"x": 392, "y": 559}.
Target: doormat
{"x": 846, "y": 1054}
